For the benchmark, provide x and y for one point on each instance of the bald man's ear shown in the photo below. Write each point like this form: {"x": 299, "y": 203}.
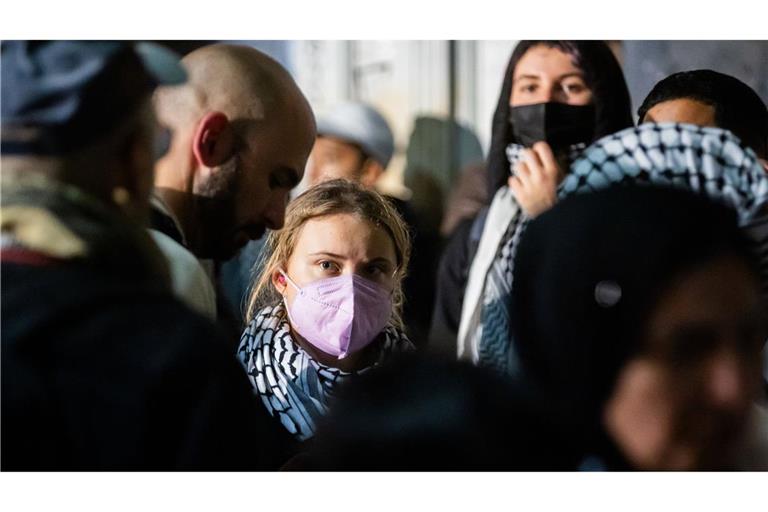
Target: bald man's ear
{"x": 370, "y": 173}
{"x": 213, "y": 143}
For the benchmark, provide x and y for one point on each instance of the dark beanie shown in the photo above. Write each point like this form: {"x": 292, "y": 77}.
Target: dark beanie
{"x": 587, "y": 274}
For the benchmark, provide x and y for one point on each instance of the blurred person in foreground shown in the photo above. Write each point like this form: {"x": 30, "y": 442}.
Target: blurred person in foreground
{"x": 704, "y": 97}
{"x": 637, "y": 312}
{"x": 430, "y": 414}
{"x": 102, "y": 369}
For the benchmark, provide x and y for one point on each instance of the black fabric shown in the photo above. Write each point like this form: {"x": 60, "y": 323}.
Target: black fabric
{"x": 602, "y": 74}
{"x": 419, "y": 299}
{"x": 559, "y": 124}
{"x": 163, "y": 223}
{"x": 103, "y": 372}
{"x": 453, "y": 270}
{"x": 228, "y": 317}
{"x": 420, "y": 414}
{"x": 453, "y": 273}
{"x": 587, "y": 273}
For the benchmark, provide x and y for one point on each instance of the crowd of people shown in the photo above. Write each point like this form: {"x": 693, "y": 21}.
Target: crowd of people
{"x": 200, "y": 274}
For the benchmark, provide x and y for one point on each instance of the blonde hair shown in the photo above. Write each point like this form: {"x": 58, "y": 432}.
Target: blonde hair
{"x": 330, "y": 198}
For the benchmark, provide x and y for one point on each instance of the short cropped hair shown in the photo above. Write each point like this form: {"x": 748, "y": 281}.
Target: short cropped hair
{"x": 738, "y": 108}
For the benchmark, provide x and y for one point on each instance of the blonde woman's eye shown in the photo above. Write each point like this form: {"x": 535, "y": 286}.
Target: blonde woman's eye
{"x": 327, "y": 265}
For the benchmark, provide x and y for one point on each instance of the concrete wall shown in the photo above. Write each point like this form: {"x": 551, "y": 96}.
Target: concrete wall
{"x": 647, "y": 62}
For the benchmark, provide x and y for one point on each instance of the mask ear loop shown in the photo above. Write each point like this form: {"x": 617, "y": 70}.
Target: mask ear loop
{"x": 285, "y": 275}
{"x": 285, "y": 299}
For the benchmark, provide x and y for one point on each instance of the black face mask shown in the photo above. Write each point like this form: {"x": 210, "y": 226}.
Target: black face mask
{"x": 559, "y": 124}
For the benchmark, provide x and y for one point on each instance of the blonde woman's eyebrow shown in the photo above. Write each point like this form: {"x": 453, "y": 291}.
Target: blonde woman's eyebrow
{"x": 330, "y": 254}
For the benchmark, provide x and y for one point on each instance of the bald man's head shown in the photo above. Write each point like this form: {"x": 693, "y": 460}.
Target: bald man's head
{"x": 242, "y": 131}
{"x": 236, "y": 80}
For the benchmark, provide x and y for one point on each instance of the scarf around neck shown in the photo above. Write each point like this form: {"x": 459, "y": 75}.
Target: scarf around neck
{"x": 710, "y": 161}
{"x": 292, "y": 385}
{"x": 484, "y": 331}
{"x": 706, "y": 160}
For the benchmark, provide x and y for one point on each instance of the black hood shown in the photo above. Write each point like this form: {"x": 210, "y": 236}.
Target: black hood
{"x": 602, "y": 73}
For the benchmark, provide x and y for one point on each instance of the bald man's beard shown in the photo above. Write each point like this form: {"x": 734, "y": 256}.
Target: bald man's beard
{"x": 215, "y": 203}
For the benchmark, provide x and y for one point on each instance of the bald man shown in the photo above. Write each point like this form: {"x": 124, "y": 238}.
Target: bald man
{"x": 241, "y": 132}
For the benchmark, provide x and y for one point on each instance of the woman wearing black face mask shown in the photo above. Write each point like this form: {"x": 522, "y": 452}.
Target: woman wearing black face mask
{"x": 573, "y": 73}
{"x": 556, "y": 97}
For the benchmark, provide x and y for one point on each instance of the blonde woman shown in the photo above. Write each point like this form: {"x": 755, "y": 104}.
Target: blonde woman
{"x": 327, "y": 304}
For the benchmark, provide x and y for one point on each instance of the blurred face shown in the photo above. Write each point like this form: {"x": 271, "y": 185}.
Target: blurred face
{"x": 142, "y": 160}
{"x": 682, "y": 405}
{"x": 333, "y": 158}
{"x": 545, "y": 74}
{"x": 249, "y": 192}
{"x": 681, "y": 110}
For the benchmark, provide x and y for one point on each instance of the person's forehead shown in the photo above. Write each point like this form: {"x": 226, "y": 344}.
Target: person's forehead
{"x": 545, "y": 61}
{"x": 718, "y": 296}
{"x": 334, "y": 143}
{"x": 682, "y": 110}
{"x": 343, "y": 233}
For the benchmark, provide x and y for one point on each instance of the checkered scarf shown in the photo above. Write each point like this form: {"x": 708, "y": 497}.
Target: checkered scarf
{"x": 710, "y": 161}
{"x": 293, "y": 385}
{"x": 491, "y": 334}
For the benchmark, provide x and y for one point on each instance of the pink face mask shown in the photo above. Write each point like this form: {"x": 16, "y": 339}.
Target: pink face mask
{"x": 339, "y": 315}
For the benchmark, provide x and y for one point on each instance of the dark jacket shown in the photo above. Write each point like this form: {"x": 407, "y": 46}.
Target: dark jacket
{"x": 453, "y": 272}
{"x": 102, "y": 369}
{"x": 228, "y": 317}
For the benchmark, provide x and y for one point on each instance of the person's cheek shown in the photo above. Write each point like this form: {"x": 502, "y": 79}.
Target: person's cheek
{"x": 641, "y": 415}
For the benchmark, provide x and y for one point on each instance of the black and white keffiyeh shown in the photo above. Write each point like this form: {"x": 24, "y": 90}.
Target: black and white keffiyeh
{"x": 293, "y": 385}
{"x": 710, "y": 161}
{"x": 492, "y": 332}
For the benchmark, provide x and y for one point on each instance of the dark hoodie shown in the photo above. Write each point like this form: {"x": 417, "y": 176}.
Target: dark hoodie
{"x": 102, "y": 368}
{"x": 587, "y": 274}
{"x": 602, "y": 74}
